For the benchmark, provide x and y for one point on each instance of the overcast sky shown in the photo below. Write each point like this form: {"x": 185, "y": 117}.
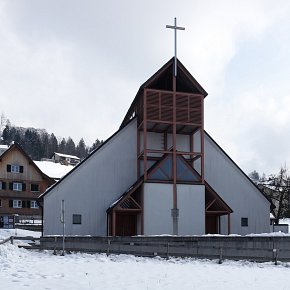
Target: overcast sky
{"x": 73, "y": 67}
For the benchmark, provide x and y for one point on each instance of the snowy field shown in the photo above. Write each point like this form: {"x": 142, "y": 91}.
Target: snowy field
{"x": 23, "y": 269}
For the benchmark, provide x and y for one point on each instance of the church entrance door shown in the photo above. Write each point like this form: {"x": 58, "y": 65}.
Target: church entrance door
{"x": 211, "y": 224}
{"x": 126, "y": 224}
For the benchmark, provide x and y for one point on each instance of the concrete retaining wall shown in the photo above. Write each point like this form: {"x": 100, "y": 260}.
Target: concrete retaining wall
{"x": 212, "y": 247}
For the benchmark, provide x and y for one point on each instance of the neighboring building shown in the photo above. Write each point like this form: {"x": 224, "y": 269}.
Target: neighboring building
{"x": 21, "y": 183}
{"x": 65, "y": 159}
{"x": 3, "y": 148}
{"x": 160, "y": 173}
{"x": 54, "y": 170}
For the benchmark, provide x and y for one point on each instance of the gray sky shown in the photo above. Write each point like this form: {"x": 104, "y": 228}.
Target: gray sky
{"x": 74, "y": 67}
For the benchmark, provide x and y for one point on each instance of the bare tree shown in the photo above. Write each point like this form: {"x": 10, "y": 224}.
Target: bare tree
{"x": 277, "y": 188}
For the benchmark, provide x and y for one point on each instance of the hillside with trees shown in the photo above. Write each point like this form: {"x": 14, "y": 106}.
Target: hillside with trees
{"x": 38, "y": 143}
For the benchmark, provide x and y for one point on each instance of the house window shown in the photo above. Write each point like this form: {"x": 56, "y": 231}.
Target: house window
{"x": 2, "y": 185}
{"x": 34, "y": 187}
{"x": 77, "y": 219}
{"x": 17, "y": 186}
{"x": 244, "y": 222}
{"x": 17, "y": 203}
{"x": 0, "y": 203}
{"x": 33, "y": 204}
{"x": 15, "y": 168}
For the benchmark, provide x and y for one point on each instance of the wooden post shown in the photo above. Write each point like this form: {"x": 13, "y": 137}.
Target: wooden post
{"x": 113, "y": 223}
{"x": 145, "y": 134}
{"x": 174, "y": 211}
{"x": 202, "y": 139}
{"x": 138, "y": 153}
{"x": 191, "y": 149}
{"x": 142, "y": 206}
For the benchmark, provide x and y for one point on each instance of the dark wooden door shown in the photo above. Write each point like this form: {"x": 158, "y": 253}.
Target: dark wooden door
{"x": 211, "y": 224}
{"x": 126, "y": 224}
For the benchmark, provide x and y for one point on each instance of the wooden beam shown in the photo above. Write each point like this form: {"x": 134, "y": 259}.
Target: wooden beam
{"x": 180, "y": 130}
{"x": 216, "y": 212}
{"x": 145, "y": 134}
{"x": 142, "y": 213}
{"x": 113, "y": 223}
{"x": 210, "y": 204}
{"x": 202, "y": 139}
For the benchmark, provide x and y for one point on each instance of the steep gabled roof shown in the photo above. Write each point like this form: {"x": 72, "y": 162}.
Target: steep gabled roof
{"x": 30, "y": 161}
{"x": 81, "y": 163}
{"x": 162, "y": 80}
{"x": 241, "y": 171}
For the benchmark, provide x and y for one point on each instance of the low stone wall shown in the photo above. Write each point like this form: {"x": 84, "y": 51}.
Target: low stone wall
{"x": 213, "y": 247}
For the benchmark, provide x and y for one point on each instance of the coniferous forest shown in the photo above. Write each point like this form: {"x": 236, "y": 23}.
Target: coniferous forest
{"x": 38, "y": 144}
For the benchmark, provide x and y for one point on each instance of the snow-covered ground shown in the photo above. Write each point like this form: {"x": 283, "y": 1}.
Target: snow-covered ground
{"x": 23, "y": 269}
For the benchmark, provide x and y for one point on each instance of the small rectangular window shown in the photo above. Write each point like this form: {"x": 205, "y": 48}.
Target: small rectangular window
{"x": 17, "y": 203}
{"x": 33, "y": 204}
{"x": 17, "y": 186}
{"x": 0, "y": 203}
{"x": 77, "y": 219}
{"x": 244, "y": 222}
{"x": 2, "y": 185}
{"x": 15, "y": 168}
{"x": 34, "y": 187}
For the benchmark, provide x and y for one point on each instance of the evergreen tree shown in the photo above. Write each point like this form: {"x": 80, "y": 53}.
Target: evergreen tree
{"x": 81, "y": 150}
{"x": 70, "y": 146}
{"x": 62, "y": 146}
{"x": 19, "y": 139}
{"x": 32, "y": 144}
{"x": 39, "y": 144}
{"x": 6, "y": 135}
{"x": 96, "y": 144}
{"x": 52, "y": 145}
{"x": 45, "y": 145}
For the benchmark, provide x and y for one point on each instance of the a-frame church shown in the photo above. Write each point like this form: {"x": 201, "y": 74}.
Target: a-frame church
{"x": 160, "y": 173}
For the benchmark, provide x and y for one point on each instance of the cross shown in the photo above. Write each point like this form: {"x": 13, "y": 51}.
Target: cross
{"x": 175, "y": 27}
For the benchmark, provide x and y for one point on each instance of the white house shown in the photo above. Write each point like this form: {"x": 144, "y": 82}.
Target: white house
{"x": 65, "y": 159}
{"x": 160, "y": 173}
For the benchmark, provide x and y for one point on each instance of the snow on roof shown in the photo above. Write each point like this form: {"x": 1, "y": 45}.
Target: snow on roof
{"x": 66, "y": 156}
{"x": 53, "y": 170}
{"x": 3, "y": 148}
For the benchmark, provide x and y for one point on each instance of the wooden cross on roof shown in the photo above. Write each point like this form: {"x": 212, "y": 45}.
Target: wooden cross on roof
{"x": 175, "y": 27}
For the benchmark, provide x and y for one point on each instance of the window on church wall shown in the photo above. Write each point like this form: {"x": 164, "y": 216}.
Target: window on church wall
{"x": 184, "y": 173}
{"x": 77, "y": 219}
{"x": 164, "y": 171}
{"x": 244, "y": 222}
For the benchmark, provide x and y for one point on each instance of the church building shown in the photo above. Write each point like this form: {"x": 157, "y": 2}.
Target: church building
{"x": 160, "y": 173}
